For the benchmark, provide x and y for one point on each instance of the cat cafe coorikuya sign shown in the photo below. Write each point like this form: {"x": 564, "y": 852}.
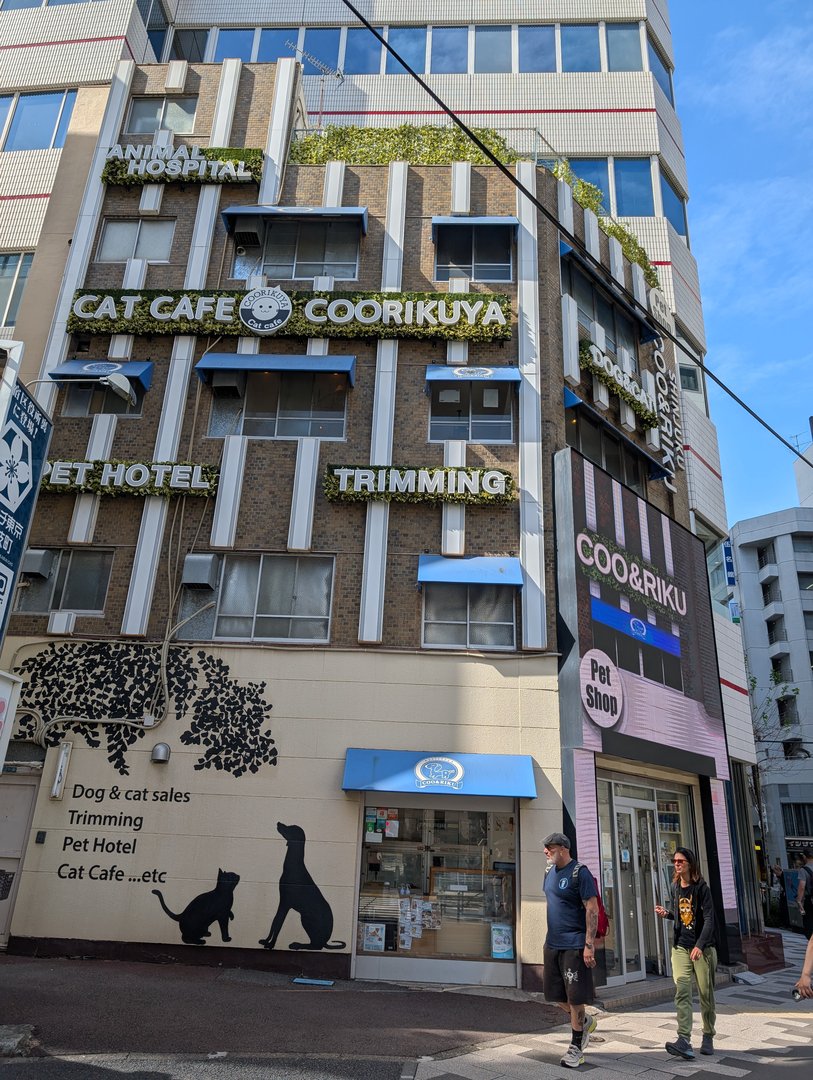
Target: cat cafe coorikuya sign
{"x": 271, "y": 310}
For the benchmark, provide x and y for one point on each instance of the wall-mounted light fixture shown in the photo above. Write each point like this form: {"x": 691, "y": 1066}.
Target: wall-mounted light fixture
{"x": 160, "y": 753}
{"x": 61, "y": 772}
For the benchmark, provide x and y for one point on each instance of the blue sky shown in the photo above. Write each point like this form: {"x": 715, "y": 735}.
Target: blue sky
{"x": 744, "y": 90}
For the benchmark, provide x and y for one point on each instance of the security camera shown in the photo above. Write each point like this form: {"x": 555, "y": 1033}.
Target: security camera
{"x": 241, "y": 250}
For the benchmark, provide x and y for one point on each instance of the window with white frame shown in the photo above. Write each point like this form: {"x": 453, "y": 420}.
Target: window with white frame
{"x": 274, "y": 598}
{"x": 283, "y": 405}
{"x": 136, "y": 239}
{"x": 150, "y": 114}
{"x": 469, "y": 616}
{"x": 66, "y": 580}
{"x": 479, "y": 412}
{"x": 593, "y": 306}
{"x": 14, "y": 269}
{"x": 35, "y": 121}
{"x": 93, "y": 399}
{"x": 303, "y": 249}
{"x": 476, "y": 252}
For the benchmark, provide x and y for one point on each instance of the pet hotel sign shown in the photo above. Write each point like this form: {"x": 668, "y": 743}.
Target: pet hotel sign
{"x": 271, "y": 310}
{"x": 130, "y": 478}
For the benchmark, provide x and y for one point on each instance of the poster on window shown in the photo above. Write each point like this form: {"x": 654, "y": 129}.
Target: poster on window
{"x": 373, "y": 937}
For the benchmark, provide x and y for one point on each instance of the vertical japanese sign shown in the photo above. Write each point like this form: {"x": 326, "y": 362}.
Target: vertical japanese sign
{"x": 24, "y": 440}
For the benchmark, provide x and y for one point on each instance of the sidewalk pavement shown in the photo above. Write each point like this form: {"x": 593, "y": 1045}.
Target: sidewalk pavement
{"x": 90, "y": 1007}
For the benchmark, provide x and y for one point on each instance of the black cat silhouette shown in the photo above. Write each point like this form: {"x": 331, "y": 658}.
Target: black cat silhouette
{"x": 209, "y": 907}
{"x": 299, "y": 892}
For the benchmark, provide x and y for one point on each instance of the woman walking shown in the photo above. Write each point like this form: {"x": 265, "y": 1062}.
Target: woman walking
{"x": 693, "y": 952}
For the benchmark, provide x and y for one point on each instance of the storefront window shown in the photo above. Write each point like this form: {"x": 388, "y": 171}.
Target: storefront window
{"x": 437, "y": 884}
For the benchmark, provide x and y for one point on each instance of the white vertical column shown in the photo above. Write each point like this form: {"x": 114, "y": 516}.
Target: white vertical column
{"x": 461, "y": 187}
{"x": 286, "y": 87}
{"x": 154, "y": 515}
{"x": 531, "y": 492}
{"x": 371, "y": 617}
{"x": 229, "y": 487}
{"x": 453, "y": 536}
{"x": 152, "y": 194}
{"x": 653, "y": 435}
{"x": 570, "y": 340}
{"x": 591, "y": 237}
{"x": 564, "y": 204}
{"x": 601, "y": 393}
{"x": 627, "y": 412}
{"x": 77, "y": 263}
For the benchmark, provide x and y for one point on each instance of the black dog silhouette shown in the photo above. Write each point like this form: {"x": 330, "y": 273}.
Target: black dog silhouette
{"x": 203, "y": 910}
{"x": 299, "y": 892}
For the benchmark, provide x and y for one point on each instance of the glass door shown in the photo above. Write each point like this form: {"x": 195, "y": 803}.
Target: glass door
{"x": 654, "y": 954}
{"x": 630, "y": 941}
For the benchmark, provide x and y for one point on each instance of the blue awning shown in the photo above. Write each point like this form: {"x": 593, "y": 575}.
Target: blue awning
{"x": 634, "y": 627}
{"x": 233, "y": 215}
{"x": 657, "y": 470}
{"x": 475, "y": 373}
{"x": 332, "y": 365}
{"x": 470, "y": 570}
{"x": 646, "y": 330}
{"x": 439, "y": 773}
{"x": 137, "y": 371}
{"x": 465, "y": 219}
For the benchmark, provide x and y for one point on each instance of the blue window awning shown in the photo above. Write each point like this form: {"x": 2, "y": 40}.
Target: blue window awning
{"x": 470, "y": 570}
{"x": 474, "y": 373}
{"x": 137, "y": 371}
{"x": 439, "y": 773}
{"x": 234, "y": 215}
{"x": 634, "y": 627}
{"x": 646, "y": 330}
{"x": 657, "y": 470}
{"x": 332, "y": 365}
{"x": 465, "y": 219}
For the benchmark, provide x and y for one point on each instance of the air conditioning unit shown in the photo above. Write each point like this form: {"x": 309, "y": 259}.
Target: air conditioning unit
{"x": 249, "y": 232}
{"x": 229, "y": 383}
{"x": 38, "y": 562}
{"x": 200, "y": 571}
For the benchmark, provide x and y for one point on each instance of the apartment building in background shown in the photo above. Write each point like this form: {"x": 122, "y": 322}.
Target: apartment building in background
{"x": 594, "y": 87}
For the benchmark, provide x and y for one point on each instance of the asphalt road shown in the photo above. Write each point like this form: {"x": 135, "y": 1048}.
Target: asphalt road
{"x": 184, "y": 1067}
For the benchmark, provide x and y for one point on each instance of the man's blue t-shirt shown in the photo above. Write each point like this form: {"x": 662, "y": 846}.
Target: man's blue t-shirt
{"x": 567, "y": 921}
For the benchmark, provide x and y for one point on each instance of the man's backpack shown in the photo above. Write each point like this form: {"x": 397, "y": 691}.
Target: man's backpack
{"x": 603, "y": 925}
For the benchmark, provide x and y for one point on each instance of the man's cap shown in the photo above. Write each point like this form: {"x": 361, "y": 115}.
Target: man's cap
{"x": 556, "y": 838}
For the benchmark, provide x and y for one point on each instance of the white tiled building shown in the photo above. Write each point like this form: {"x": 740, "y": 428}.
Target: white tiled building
{"x": 589, "y": 80}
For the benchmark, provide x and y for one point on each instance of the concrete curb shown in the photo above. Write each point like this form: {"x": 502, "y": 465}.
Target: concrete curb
{"x": 15, "y": 1039}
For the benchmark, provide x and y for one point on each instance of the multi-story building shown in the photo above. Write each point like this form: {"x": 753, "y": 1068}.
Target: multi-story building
{"x": 593, "y": 86}
{"x": 774, "y": 562}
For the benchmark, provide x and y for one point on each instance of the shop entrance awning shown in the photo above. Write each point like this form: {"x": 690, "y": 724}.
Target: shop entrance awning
{"x": 439, "y": 773}
{"x": 136, "y": 371}
{"x": 475, "y": 373}
{"x": 470, "y": 570}
{"x": 234, "y": 216}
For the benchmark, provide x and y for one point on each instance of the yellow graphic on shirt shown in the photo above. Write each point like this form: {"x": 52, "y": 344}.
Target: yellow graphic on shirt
{"x": 685, "y": 911}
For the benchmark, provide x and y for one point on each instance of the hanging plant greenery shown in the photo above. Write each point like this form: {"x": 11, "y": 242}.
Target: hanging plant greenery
{"x": 428, "y": 145}
{"x": 647, "y": 417}
{"x": 116, "y": 172}
{"x": 92, "y": 484}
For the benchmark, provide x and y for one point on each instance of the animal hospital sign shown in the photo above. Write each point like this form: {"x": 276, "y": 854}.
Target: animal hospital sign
{"x": 159, "y": 164}
{"x": 265, "y": 311}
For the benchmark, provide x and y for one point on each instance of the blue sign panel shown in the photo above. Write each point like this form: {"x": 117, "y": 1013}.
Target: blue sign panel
{"x": 634, "y": 627}
{"x": 728, "y": 559}
{"x": 439, "y": 773}
{"x": 24, "y": 443}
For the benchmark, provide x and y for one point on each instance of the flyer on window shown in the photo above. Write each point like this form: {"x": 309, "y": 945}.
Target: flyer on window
{"x": 373, "y": 940}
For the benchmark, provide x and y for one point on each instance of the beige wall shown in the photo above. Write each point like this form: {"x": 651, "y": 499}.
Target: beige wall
{"x": 323, "y": 702}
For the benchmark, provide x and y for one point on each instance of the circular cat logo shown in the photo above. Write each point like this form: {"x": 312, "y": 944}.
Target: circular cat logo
{"x": 265, "y": 310}
{"x": 100, "y": 367}
{"x": 638, "y": 628}
{"x": 439, "y": 772}
{"x": 472, "y": 372}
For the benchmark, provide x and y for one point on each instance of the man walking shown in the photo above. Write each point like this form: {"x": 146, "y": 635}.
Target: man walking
{"x": 567, "y": 978}
{"x": 804, "y": 895}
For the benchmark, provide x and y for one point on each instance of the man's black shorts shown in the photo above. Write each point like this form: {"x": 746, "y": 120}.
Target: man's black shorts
{"x": 566, "y": 977}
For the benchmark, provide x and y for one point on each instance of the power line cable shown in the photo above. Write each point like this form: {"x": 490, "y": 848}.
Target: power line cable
{"x": 571, "y": 239}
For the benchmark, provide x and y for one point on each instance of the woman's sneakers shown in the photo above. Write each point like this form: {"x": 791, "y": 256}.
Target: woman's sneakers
{"x": 682, "y": 1048}
{"x": 707, "y": 1045}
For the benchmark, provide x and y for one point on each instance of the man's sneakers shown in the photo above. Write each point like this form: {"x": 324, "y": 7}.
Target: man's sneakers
{"x": 575, "y": 1054}
{"x": 681, "y": 1048}
{"x": 590, "y": 1025}
{"x": 573, "y": 1058}
{"x": 707, "y": 1045}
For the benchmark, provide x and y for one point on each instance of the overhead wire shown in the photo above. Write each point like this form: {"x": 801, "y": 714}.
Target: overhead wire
{"x": 571, "y": 239}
